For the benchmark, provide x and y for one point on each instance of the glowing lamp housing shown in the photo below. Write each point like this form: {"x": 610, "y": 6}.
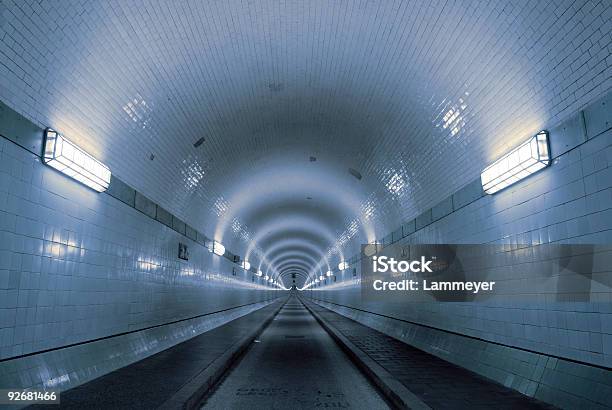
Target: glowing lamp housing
{"x": 343, "y": 265}
{"x": 218, "y": 249}
{"x": 69, "y": 159}
{"x": 329, "y": 273}
{"x": 526, "y": 159}
{"x": 246, "y": 265}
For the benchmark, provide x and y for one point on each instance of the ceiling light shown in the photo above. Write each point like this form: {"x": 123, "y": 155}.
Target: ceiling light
{"x": 71, "y": 160}
{"x": 329, "y": 273}
{"x": 343, "y": 265}
{"x": 259, "y": 273}
{"x": 246, "y": 265}
{"x": 528, "y": 158}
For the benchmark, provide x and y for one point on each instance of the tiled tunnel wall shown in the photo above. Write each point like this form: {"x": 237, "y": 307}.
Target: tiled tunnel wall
{"x": 559, "y": 352}
{"x": 84, "y": 270}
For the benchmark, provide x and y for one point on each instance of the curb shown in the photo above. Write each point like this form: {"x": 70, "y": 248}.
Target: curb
{"x": 394, "y": 391}
{"x": 192, "y": 393}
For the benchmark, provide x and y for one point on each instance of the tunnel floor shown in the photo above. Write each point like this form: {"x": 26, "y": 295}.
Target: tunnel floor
{"x": 438, "y": 383}
{"x": 295, "y": 364}
{"x": 148, "y": 383}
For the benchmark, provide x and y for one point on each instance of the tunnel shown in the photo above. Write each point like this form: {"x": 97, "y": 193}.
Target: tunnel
{"x": 285, "y": 204}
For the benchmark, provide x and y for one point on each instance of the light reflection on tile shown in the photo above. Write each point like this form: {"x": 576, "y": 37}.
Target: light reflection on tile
{"x": 111, "y": 271}
{"x": 431, "y": 103}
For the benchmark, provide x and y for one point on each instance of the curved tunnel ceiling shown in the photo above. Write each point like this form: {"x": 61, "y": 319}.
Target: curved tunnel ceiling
{"x": 414, "y": 98}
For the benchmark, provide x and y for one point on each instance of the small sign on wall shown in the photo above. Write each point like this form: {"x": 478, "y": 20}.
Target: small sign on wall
{"x": 183, "y": 252}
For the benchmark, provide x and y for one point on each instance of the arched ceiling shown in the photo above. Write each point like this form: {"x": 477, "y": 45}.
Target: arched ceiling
{"x": 414, "y": 97}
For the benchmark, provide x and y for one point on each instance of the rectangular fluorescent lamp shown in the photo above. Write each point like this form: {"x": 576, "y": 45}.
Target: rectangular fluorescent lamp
{"x": 343, "y": 265}
{"x": 528, "y": 158}
{"x": 71, "y": 160}
{"x": 218, "y": 249}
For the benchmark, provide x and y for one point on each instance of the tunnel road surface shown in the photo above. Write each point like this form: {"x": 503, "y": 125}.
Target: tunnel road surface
{"x": 295, "y": 364}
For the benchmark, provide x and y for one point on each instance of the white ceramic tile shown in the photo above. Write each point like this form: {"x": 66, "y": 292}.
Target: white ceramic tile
{"x": 416, "y": 96}
{"x": 73, "y": 264}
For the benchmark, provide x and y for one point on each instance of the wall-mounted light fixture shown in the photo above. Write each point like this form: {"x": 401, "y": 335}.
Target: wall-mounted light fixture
{"x": 218, "y": 248}
{"x": 259, "y": 272}
{"x": 526, "y": 159}
{"x": 71, "y": 160}
{"x": 246, "y": 265}
{"x": 329, "y": 273}
{"x": 371, "y": 249}
{"x": 343, "y": 265}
